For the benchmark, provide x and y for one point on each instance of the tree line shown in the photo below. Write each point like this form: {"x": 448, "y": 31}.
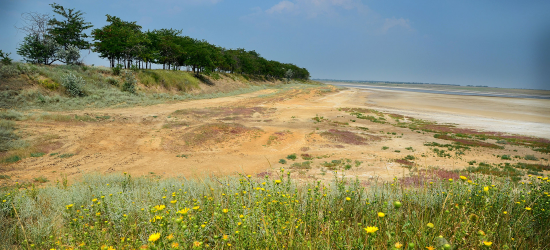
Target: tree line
{"x": 125, "y": 44}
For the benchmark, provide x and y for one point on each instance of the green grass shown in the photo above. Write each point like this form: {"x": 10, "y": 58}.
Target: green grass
{"x": 67, "y": 155}
{"x": 41, "y": 179}
{"x": 280, "y": 213}
{"x": 179, "y": 80}
{"x": 38, "y": 154}
{"x": 7, "y": 135}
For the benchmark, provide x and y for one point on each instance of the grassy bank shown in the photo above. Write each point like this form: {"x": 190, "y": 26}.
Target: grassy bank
{"x": 27, "y": 86}
{"x": 276, "y": 212}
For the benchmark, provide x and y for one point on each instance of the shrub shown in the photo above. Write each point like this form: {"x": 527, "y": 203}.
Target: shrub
{"x": 117, "y": 69}
{"x": 385, "y": 147}
{"x": 112, "y": 81}
{"x": 291, "y": 157}
{"x": 5, "y": 58}
{"x": 531, "y": 158}
{"x": 282, "y": 161}
{"x": 129, "y": 83}
{"x": 73, "y": 85}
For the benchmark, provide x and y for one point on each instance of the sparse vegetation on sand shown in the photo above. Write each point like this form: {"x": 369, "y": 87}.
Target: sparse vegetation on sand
{"x": 429, "y": 211}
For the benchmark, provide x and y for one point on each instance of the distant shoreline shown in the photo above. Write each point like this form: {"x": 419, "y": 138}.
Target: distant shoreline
{"x": 451, "y": 90}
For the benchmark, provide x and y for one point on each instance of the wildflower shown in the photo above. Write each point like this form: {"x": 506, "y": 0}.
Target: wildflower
{"x": 225, "y": 210}
{"x": 487, "y": 243}
{"x": 154, "y": 237}
{"x": 195, "y": 208}
{"x": 277, "y": 181}
{"x": 527, "y": 208}
{"x": 241, "y": 216}
{"x": 98, "y": 214}
{"x": 371, "y": 230}
{"x": 430, "y": 225}
{"x": 175, "y": 245}
{"x": 486, "y": 189}
{"x": 225, "y": 237}
{"x": 69, "y": 206}
{"x": 463, "y": 177}
{"x": 111, "y": 248}
{"x": 174, "y": 201}
{"x": 197, "y": 244}
{"x": 381, "y": 215}
{"x": 159, "y": 207}
{"x": 430, "y": 248}
{"x": 348, "y": 198}
{"x": 398, "y": 245}
{"x": 249, "y": 176}
{"x": 94, "y": 200}
{"x": 170, "y": 237}
{"x": 505, "y": 212}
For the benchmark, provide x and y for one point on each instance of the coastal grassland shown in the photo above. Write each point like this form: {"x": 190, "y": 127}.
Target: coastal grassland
{"x": 274, "y": 211}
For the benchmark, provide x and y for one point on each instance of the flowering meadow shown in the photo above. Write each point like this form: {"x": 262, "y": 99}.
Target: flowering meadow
{"x": 276, "y": 212}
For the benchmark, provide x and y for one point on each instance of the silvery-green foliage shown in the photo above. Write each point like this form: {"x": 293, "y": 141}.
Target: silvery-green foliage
{"x": 73, "y": 84}
{"x": 129, "y": 82}
{"x": 8, "y": 71}
{"x": 112, "y": 81}
{"x": 70, "y": 55}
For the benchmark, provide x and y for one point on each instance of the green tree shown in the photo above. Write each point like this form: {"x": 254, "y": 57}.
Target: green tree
{"x": 36, "y": 50}
{"x": 69, "y": 30}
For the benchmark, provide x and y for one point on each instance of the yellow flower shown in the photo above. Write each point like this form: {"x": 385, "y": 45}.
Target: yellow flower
{"x": 69, "y": 206}
{"x": 527, "y": 208}
{"x": 505, "y": 212}
{"x": 170, "y": 237}
{"x": 487, "y": 243}
{"x": 348, "y": 198}
{"x": 159, "y": 207}
{"x": 381, "y": 215}
{"x": 175, "y": 245}
{"x": 197, "y": 244}
{"x": 154, "y": 237}
{"x": 225, "y": 237}
{"x": 111, "y": 248}
{"x": 371, "y": 230}
{"x": 463, "y": 177}
{"x": 94, "y": 200}
{"x": 225, "y": 210}
{"x": 241, "y": 216}
{"x": 249, "y": 176}
{"x": 486, "y": 189}
{"x": 174, "y": 201}
{"x": 277, "y": 181}
{"x": 195, "y": 208}
{"x": 183, "y": 211}
{"x": 398, "y": 245}
{"x": 430, "y": 248}
{"x": 98, "y": 214}
{"x": 430, "y": 225}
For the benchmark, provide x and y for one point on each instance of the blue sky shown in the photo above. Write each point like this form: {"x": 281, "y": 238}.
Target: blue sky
{"x": 494, "y": 43}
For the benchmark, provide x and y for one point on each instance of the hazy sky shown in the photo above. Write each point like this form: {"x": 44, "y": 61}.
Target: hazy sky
{"x": 481, "y": 42}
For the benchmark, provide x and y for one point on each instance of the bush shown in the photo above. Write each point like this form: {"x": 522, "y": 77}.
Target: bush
{"x": 112, "y": 81}
{"x": 117, "y": 69}
{"x": 531, "y": 158}
{"x": 73, "y": 85}
{"x": 282, "y": 161}
{"x": 129, "y": 83}
{"x": 51, "y": 85}
{"x": 291, "y": 157}
{"x": 5, "y": 58}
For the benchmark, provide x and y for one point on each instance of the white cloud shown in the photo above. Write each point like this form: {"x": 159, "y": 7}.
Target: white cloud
{"x": 394, "y": 22}
{"x": 284, "y": 6}
{"x": 314, "y": 8}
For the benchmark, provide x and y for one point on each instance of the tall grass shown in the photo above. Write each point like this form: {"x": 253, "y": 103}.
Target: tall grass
{"x": 182, "y": 81}
{"x": 123, "y": 212}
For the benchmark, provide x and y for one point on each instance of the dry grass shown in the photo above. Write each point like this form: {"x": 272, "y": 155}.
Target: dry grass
{"x": 216, "y": 133}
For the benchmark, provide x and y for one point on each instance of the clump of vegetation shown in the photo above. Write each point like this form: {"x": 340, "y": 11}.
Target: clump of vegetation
{"x": 307, "y": 157}
{"x": 291, "y": 157}
{"x": 74, "y": 85}
{"x": 41, "y": 179}
{"x": 302, "y": 165}
{"x": 129, "y": 83}
{"x": 112, "y": 81}
{"x": 245, "y": 212}
{"x": 282, "y": 161}
{"x": 117, "y": 69}
{"x": 385, "y": 147}
{"x": 531, "y": 158}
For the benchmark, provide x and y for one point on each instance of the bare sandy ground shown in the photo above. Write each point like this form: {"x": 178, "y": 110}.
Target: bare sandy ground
{"x": 250, "y": 133}
{"x": 511, "y": 115}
